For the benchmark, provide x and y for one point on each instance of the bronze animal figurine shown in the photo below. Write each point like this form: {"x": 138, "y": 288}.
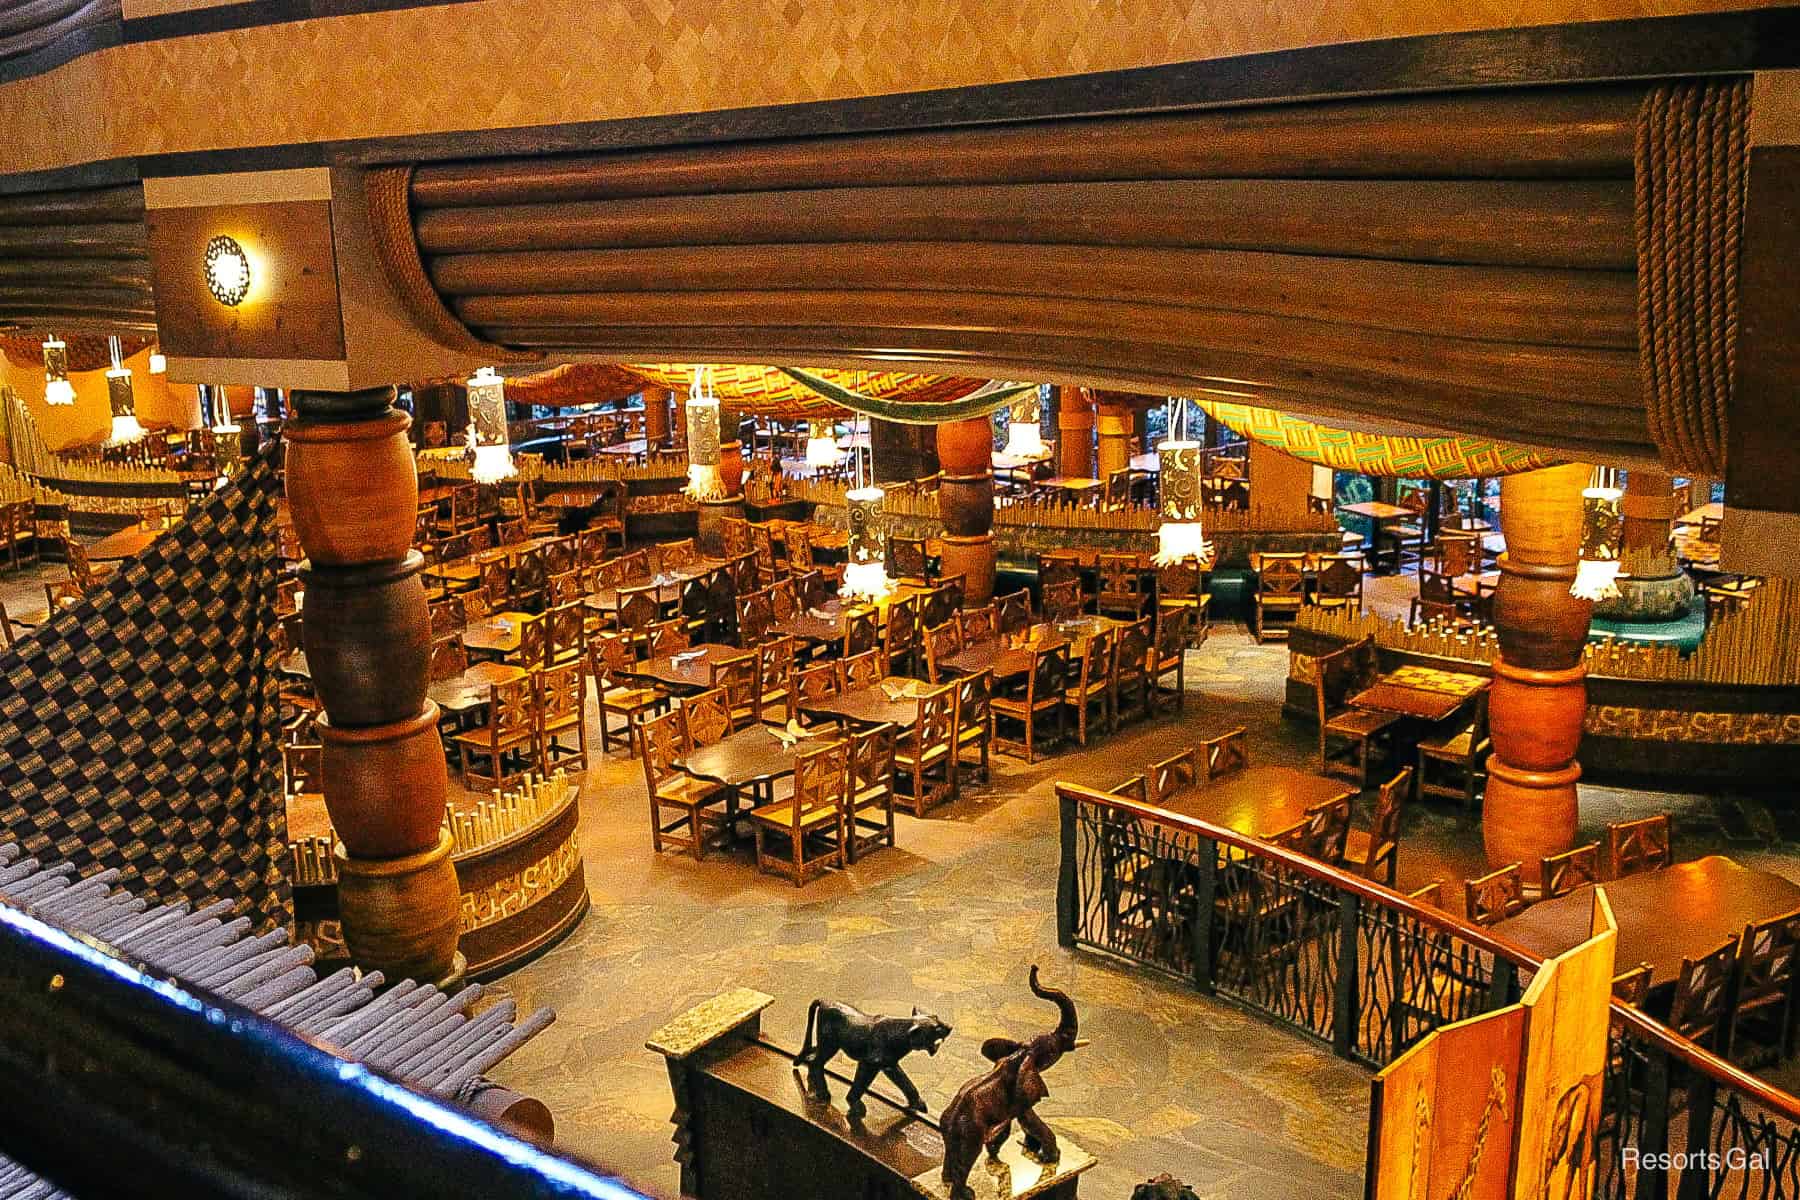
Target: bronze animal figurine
{"x": 1163, "y": 1187}
{"x": 983, "y": 1110}
{"x": 875, "y": 1044}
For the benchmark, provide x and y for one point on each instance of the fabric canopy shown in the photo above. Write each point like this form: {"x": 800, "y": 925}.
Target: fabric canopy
{"x": 1376, "y": 453}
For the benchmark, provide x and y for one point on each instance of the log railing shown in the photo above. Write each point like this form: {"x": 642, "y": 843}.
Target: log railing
{"x": 1368, "y": 972}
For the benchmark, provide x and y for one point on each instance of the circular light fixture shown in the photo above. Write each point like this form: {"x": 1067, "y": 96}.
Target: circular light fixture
{"x": 227, "y": 271}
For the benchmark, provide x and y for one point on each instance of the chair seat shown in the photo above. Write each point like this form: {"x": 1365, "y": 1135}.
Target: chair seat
{"x": 906, "y": 758}
{"x": 781, "y": 815}
{"x": 1357, "y": 847}
{"x": 622, "y": 698}
{"x": 307, "y": 816}
{"x": 1093, "y": 691}
{"x": 1357, "y": 722}
{"x": 1019, "y": 708}
{"x": 684, "y": 790}
{"x": 1455, "y": 745}
{"x": 482, "y": 738}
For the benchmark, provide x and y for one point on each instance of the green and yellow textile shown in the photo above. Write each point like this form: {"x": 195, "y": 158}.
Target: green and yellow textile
{"x": 1376, "y": 453}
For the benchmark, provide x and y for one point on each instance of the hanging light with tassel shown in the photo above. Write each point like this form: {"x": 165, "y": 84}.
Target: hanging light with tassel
{"x": 1602, "y": 531}
{"x": 704, "y": 482}
{"x": 1024, "y": 437}
{"x": 865, "y": 573}
{"x": 487, "y": 428}
{"x": 821, "y": 444}
{"x": 57, "y": 388}
{"x": 228, "y": 439}
{"x": 1180, "y": 535}
{"x": 125, "y": 427}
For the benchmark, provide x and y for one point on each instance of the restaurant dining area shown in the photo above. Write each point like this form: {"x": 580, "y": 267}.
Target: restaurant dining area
{"x": 1124, "y": 603}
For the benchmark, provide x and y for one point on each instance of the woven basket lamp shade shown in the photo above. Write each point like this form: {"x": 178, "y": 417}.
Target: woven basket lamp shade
{"x": 865, "y": 575}
{"x": 1181, "y": 534}
{"x": 1602, "y": 530}
{"x": 57, "y": 388}
{"x": 1024, "y": 438}
{"x": 487, "y": 428}
{"x": 125, "y": 427}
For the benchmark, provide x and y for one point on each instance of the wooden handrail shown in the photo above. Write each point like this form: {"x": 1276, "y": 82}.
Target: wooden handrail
{"x": 1695, "y": 1057}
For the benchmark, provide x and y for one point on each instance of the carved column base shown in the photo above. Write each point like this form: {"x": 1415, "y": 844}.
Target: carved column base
{"x": 400, "y": 914}
{"x": 973, "y": 558}
{"x": 712, "y": 517}
{"x": 966, "y": 504}
{"x": 1528, "y": 815}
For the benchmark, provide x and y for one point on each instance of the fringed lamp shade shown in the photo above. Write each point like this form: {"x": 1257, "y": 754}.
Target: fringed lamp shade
{"x": 865, "y": 574}
{"x": 821, "y": 444}
{"x": 57, "y": 388}
{"x": 1180, "y": 535}
{"x": 125, "y": 427}
{"x": 487, "y": 428}
{"x": 704, "y": 482}
{"x": 1023, "y": 437}
{"x": 1602, "y": 529}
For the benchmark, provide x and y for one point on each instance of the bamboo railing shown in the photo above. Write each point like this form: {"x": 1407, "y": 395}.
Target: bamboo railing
{"x": 532, "y": 468}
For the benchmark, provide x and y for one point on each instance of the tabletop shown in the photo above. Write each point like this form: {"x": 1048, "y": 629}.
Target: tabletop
{"x": 1375, "y": 510}
{"x": 1679, "y": 911}
{"x": 693, "y": 672}
{"x": 571, "y": 498}
{"x": 1713, "y": 511}
{"x": 1008, "y": 659}
{"x": 1070, "y": 483}
{"x": 753, "y": 755}
{"x": 125, "y": 543}
{"x": 871, "y": 705}
{"x": 668, "y": 591}
{"x": 499, "y": 634}
{"x": 1423, "y": 692}
{"x": 630, "y": 447}
{"x": 1151, "y": 463}
{"x": 1015, "y": 462}
{"x": 470, "y": 690}
{"x": 1260, "y": 801}
{"x": 435, "y": 493}
{"x": 806, "y": 627}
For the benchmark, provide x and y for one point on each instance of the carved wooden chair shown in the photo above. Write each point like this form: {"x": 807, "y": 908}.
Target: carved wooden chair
{"x": 736, "y": 537}
{"x": 708, "y": 717}
{"x": 956, "y": 587}
{"x": 1563, "y": 873}
{"x": 799, "y": 549}
{"x": 1226, "y": 754}
{"x": 1280, "y": 592}
{"x": 609, "y": 658}
{"x": 1131, "y": 671}
{"x": 1702, "y": 1005}
{"x": 1041, "y": 703}
{"x": 1348, "y": 737}
{"x": 559, "y": 555}
{"x": 530, "y": 581}
{"x": 1093, "y": 683}
{"x": 1375, "y": 854}
{"x": 783, "y": 603}
{"x": 907, "y": 561}
{"x": 562, "y": 713}
{"x": 740, "y": 679}
{"x": 1172, "y": 775}
{"x": 1339, "y": 582}
{"x": 1327, "y": 829}
{"x": 925, "y": 755}
{"x": 1180, "y": 592}
{"x": 1438, "y": 600}
{"x": 697, "y": 807}
{"x": 18, "y": 533}
{"x": 1013, "y": 612}
{"x": 567, "y": 642}
{"x": 862, "y": 631}
{"x": 511, "y": 532}
{"x": 636, "y": 610}
{"x": 902, "y": 641}
{"x": 675, "y": 556}
{"x": 1126, "y": 588}
{"x": 863, "y": 670}
{"x": 762, "y": 546}
{"x": 1062, "y": 600}
{"x": 1764, "y": 991}
{"x": 819, "y": 682}
{"x": 942, "y": 643}
{"x": 810, "y": 820}
{"x": 460, "y": 513}
{"x": 869, "y": 799}
{"x": 667, "y": 637}
{"x": 590, "y": 547}
{"x": 1636, "y": 846}
{"x": 939, "y": 605}
{"x": 775, "y": 675}
{"x": 1632, "y": 986}
{"x": 1461, "y": 751}
{"x": 1493, "y": 897}
{"x": 811, "y": 588}
{"x": 506, "y": 741}
{"x": 533, "y": 650}
{"x": 695, "y": 607}
{"x": 1171, "y": 660}
{"x": 636, "y": 568}
{"x": 1059, "y": 566}
{"x": 974, "y": 725}
{"x": 978, "y": 624}
{"x": 755, "y": 617}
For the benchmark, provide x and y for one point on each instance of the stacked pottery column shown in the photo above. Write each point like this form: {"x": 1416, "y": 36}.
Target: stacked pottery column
{"x": 353, "y": 493}
{"x": 1114, "y": 420}
{"x": 966, "y": 505}
{"x": 1540, "y": 680}
{"x": 1075, "y": 433}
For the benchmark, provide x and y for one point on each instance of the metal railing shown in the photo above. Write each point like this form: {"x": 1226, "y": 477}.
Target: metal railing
{"x": 1368, "y": 971}
{"x": 124, "y": 1082}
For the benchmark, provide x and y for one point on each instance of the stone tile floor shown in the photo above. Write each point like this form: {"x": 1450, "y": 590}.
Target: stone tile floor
{"x": 951, "y": 920}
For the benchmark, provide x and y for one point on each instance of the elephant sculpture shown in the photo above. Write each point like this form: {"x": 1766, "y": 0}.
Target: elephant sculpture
{"x": 983, "y": 1110}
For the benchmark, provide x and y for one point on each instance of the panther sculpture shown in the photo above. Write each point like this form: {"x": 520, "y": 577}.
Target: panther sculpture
{"x": 876, "y": 1044}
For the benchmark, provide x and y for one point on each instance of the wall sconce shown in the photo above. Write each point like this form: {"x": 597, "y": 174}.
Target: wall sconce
{"x": 57, "y": 388}
{"x": 227, "y": 271}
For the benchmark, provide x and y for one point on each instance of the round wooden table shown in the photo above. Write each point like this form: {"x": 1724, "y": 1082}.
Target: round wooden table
{"x": 125, "y": 543}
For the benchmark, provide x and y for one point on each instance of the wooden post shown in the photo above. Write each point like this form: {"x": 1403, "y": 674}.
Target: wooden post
{"x": 1279, "y": 486}
{"x": 1113, "y": 419}
{"x": 657, "y": 402}
{"x": 353, "y": 492}
{"x": 1539, "y": 696}
{"x": 1075, "y": 432}
{"x": 966, "y": 505}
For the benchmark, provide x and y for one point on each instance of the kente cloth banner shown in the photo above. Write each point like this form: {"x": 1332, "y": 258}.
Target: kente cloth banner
{"x": 139, "y": 727}
{"x": 819, "y": 393}
{"x": 1376, "y": 453}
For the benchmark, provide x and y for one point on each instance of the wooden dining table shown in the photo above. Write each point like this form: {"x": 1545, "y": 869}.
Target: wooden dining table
{"x": 1379, "y": 514}
{"x": 684, "y": 670}
{"x": 668, "y": 591}
{"x": 123, "y": 543}
{"x": 1009, "y": 659}
{"x": 467, "y": 569}
{"x": 1422, "y": 692}
{"x": 498, "y": 634}
{"x": 471, "y": 690}
{"x": 1259, "y": 801}
{"x": 1680, "y": 911}
{"x": 752, "y": 758}
{"x": 870, "y": 706}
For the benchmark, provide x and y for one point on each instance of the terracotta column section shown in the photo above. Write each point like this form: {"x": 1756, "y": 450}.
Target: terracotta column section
{"x": 656, "y": 417}
{"x": 1113, "y": 419}
{"x": 713, "y": 513}
{"x": 1279, "y": 486}
{"x": 1540, "y": 680}
{"x": 966, "y": 505}
{"x": 1075, "y": 432}
{"x": 353, "y": 493}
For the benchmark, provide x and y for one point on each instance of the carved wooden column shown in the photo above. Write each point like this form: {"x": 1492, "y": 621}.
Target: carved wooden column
{"x": 353, "y": 493}
{"x": 714, "y": 513}
{"x": 1540, "y": 680}
{"x": 1113, "y": 419}
{"x": 656, "y": 417}
{"x": 1075, "y": 433}
{"x": 966, "y": 505}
